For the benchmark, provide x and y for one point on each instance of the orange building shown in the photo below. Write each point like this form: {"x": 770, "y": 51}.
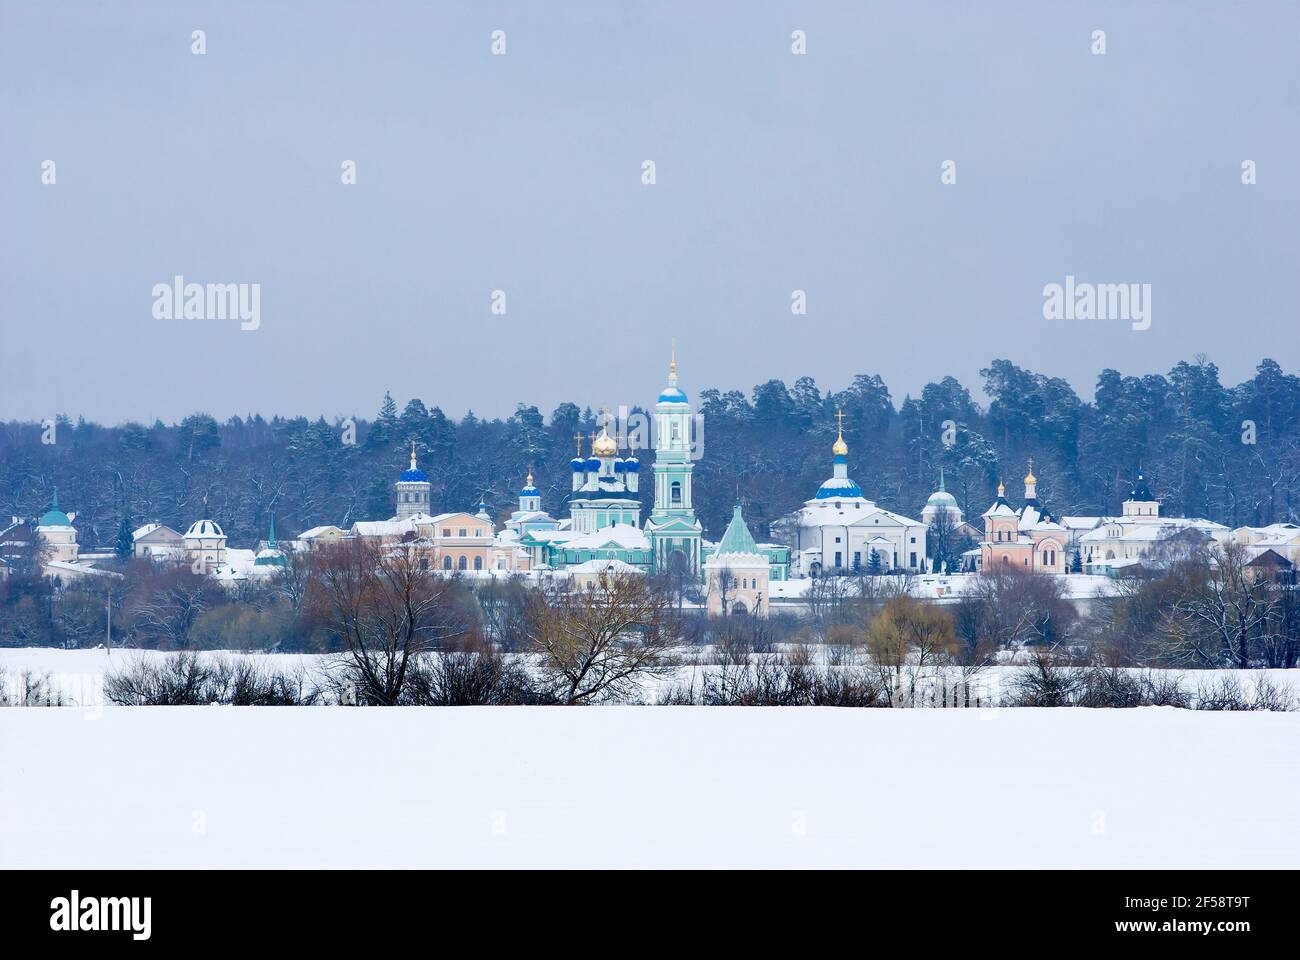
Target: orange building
{"x": 1030, "y": 539}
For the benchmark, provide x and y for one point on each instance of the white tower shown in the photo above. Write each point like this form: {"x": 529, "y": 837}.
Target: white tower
{"x": 412, "y": 490}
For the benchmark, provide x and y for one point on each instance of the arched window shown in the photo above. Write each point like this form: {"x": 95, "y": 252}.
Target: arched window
{"x": 462, "y": 563}
{"x": 675, "y": 492}
{"x": 446, "y": 563}
{"x": 478, "y": 563}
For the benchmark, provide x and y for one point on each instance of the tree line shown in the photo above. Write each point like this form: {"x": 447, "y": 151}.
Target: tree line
{"x": 1230, "y": 453}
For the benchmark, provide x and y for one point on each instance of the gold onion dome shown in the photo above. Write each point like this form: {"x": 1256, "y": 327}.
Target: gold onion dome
{"x": 1029, "y": 477}
{"x": 604, "y": 445}
{"x": 841, "y": 449}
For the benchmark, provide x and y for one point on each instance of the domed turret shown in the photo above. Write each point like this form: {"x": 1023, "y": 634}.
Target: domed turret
{"x": 413, "y": 489}
{"x": 414, "y": 474}
{"x": 1031, "y": 484}
{"x": 54, "y": 517}
{"x": 839, "y": 485}
{"x": 530, "y": 498}
{"x": 604, "y": 446}
{"x": 204, "y": 529}
{"x": 672, "y": 393}
{"x": 941, "y": 500}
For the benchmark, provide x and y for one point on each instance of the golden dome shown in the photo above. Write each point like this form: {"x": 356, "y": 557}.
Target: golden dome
{"x": 1002, "y": 491}
{"x": 1029, "y": 477}
{"x": 841, "y": 448}
{"x": 604, "y": 445}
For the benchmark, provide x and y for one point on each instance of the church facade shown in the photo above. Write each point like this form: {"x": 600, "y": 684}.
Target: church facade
{"x": 604, "y": 522}
{"x": 840, "y": 531}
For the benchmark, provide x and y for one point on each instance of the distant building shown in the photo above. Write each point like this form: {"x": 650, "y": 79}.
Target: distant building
{"x": 1029, "y": 539}
{"x": 205, "y": 546}
{"x": 158, "y": 542}
{"x": 736, "y": 574}
{"x": 840, "y": 531}
{"x": 1141, "y": 533}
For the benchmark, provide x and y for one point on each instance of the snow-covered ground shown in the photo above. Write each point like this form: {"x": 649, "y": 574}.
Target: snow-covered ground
{"x": 647, "y": 786}
{"x": 642, "y": 786}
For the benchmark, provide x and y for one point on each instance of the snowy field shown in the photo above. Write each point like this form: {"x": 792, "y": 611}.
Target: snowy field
{"x": 642, "y": 786}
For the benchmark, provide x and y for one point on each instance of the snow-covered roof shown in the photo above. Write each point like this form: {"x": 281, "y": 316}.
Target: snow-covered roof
{"x": 1080, "y": 523}
{"x": 848, "y": 512}
{"x": 204, "y": 530}
{"x": 610, "y": 565}
{"x": 620, "y": 534}
{"x": 320, "y": 531}
{"x": 383, "y": 528}
{"x": 79, "y": 567}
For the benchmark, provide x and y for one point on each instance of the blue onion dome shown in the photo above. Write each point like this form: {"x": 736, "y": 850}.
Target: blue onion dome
{"x": 838, "y": 487}
{"x": 619, "y": 466}
{"x": 631, "y": 465}
{"x": 672, "y": 395}
{"x": 529, "y": 490}
{"x": 414, "y": 474}
{"x": 593, "y": 463}
{"x": 578, "y": 464}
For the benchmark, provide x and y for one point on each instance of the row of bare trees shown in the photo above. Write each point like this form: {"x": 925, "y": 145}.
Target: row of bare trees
{"x": 390, "y": 613}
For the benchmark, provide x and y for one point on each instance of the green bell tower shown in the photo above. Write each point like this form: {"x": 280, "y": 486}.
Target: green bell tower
{"x": 672, "y": 527}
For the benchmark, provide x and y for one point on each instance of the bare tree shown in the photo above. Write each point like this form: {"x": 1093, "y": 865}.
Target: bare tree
{"x": 1223, "y": 607}
{"x": 600, "y": 642}
{"x": 387, "y": 608}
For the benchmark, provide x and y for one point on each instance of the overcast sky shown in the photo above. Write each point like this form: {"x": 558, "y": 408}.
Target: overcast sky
{"x": 523, "y": 173}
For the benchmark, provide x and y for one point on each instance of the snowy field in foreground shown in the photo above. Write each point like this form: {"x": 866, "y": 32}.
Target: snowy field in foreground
{"x": 646, "y": 786}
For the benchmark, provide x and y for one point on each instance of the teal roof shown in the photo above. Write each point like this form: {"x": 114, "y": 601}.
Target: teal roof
{"x": 737, "y": 539}
{"x": 54, "y": 517}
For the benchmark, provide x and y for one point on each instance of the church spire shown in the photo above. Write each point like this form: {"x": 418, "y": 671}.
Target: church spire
{"x": 840, "y": 449}
{"x": 270, "y": 542}
{"x": 941, "y": 490}
{"x": 412, "y": 453}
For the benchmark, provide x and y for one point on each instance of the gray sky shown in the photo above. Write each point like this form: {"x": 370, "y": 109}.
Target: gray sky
{"x": 523, "y": 173}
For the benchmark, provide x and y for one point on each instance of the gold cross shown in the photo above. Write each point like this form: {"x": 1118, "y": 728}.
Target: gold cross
{"x": 578, "y": 437}
{"x": 839, "y": 415}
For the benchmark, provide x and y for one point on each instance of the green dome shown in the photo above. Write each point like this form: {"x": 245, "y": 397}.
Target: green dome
{"x": 54, "y": 517}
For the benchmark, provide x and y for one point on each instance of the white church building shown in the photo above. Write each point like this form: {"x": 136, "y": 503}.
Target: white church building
{"x": 840, "y": 531}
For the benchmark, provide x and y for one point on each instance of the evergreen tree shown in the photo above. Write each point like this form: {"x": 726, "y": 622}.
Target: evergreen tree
{"x": 1076, "y": 561}
{"x": 125, "y": 545}
{"x": 384, "y": 430}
